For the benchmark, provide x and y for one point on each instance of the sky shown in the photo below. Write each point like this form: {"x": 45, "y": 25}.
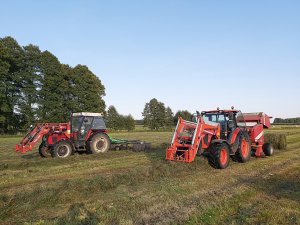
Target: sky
{"x": 189, "y": 54}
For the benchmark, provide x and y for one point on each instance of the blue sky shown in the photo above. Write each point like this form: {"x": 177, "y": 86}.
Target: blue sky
{"x": 194, "y": 55}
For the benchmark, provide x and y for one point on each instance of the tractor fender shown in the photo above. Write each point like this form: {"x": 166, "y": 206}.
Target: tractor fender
{"x": 221, "y": 141}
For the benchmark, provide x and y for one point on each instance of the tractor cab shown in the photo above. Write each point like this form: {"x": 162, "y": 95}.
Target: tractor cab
{"x": 84, "y": 124}
{"x": 229, "y": 120}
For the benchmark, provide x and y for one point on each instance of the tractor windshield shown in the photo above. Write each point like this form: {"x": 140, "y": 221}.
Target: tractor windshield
{"x": 214, "y": 117}
{"x": 76, "y": 123}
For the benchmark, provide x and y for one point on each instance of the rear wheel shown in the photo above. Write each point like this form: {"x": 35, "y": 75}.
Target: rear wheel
{"x": 44, "y": 150}
{"x": 268, "y": 149}
{"x": 99, "y": 143}
{"x": 219, "y": 155}
{"x": 62, "y": 149}
{"x": 243, "y": 153}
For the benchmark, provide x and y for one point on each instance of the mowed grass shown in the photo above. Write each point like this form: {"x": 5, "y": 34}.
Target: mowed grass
{"x": 124, "y": 187}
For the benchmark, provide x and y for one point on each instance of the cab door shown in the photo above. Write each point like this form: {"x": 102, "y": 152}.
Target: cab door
{"x": 85, "y": 128}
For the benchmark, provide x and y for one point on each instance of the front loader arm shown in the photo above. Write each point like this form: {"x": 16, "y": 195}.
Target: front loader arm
{"x": 32, "y": 137}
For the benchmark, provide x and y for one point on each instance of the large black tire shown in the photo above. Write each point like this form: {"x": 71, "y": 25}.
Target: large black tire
{"x": 62, "y": 149}
{"x": 268, "y": 149}
{"x": 243, "y": 153}
{"x": 44, "y": 150}
{"x": 219, "y": 155}
{"x": 99, "y": 143}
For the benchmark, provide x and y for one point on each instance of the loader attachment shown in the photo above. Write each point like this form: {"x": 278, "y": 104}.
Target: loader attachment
{"x": 190, "y": 138}
{"x": 185, "y": 142}
{"x": 37, "y": 132}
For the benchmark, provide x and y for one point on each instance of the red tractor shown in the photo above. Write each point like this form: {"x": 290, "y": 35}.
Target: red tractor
{"x": 85, "y": 132}
{"x": 220, "y": 134}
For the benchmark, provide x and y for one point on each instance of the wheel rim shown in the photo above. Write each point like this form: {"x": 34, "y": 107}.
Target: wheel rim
{"x": 244, "y": 148}
{"x": 223, "y": 156}
{"x": 101, "y": 145}
{"x": 63, "y": 151}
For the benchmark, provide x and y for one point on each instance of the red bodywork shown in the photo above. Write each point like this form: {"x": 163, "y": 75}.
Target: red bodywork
{"x": 58, "y": 131}
{"x": 256, "y": 122}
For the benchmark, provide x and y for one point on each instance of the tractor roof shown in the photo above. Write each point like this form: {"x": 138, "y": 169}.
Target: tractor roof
{"x": 87, "y": 114}
{"x": 221, "y": 111}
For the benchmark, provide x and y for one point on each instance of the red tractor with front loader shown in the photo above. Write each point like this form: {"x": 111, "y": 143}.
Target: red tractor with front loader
{"x": 85, "y": 132}
{"x": 220, "y": 135}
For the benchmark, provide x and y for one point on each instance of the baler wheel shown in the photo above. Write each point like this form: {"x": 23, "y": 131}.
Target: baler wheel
{"x": 62, "y": 149}
{"x": 243, "y": 152}
{"x": 99, "y": 143}
{"x": 219, "y": 155}
{"x": 44, "y": 151}
{"x": 268, "y": 149}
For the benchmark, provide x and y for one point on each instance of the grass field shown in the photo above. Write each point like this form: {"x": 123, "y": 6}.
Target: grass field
{"x": 123, "y": 187}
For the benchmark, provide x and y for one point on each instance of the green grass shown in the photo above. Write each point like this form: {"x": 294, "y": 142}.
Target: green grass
{"x": 124, "y": 187}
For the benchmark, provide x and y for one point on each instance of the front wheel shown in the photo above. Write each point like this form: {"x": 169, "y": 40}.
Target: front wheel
{"x": 219, "y": 156}
{"x": 44, "y": 150}
{"x": 62, "y": 149}
{"x": 99, "y": 143}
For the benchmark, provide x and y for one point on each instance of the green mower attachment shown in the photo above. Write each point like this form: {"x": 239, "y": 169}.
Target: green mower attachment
{"x": 134, "y": 145}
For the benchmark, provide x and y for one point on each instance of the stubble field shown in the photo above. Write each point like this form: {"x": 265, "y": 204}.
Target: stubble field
{"x": 124, "y": 187}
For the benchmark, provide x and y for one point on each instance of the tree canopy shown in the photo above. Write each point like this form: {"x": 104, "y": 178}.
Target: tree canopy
{"x": 115, "y": 121}
{"x": 156, "y": 115}
{"x": 186, "y": 115}
{"x": 36, "y": 87}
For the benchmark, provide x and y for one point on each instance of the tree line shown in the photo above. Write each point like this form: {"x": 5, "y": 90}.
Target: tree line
{"x": 157, "y": 116}
{"x": 287, "y": 121}
{"x": 116, "y": 121}
{"x": 36, "y": 87}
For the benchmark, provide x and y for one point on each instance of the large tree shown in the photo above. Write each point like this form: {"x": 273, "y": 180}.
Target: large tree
{"x": 186, "y": 115}
{"x": 169, "y": 118}
{"x": 116, "y": 121}
{"x": 112, "y": 118}
{"x": 35, "y": 86}
{"x": 86, "y": 90}
{"x": 154, "y": 114}
{"x": 53, "y": 99}
{"x": 129, "y": 122}
{"x": 11, "y": 63}
{"x": 30, "y": 84}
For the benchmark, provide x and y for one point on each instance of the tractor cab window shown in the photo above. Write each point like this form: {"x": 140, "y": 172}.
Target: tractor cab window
{"x": 87, "y": 123}
{"x": 85, "y": 127}
{"x": 99, "y": 124}
{"x": 76, "y": 123}
{"x": 216, "y": 118}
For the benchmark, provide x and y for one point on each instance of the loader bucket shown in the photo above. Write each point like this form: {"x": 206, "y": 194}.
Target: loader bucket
{"x": 23, "y": 149}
